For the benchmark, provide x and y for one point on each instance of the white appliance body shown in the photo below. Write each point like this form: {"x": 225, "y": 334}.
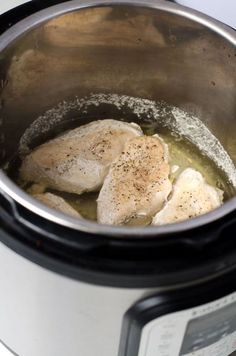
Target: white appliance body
{"x": 55, "y": 315}
{"x": 43, "y": 313}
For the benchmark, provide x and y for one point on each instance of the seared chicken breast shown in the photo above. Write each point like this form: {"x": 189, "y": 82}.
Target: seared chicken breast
{"x": 191, "y": 197}
{"x": 55, "y": 202}
{"x": 78, "y": 161}
{"x": 137, "y": 184}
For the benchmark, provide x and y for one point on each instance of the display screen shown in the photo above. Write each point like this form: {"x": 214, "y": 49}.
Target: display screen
{"x": 206, "y": 330}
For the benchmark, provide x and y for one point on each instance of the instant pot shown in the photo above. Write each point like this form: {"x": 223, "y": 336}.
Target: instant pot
{"x": 73, "y": 287}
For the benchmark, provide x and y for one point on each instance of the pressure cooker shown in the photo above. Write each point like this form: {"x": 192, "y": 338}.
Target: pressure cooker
{"x": 73, "y": 287}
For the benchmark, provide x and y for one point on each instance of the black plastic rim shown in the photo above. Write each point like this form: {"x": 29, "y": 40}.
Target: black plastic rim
{"x": 114, "y": 262}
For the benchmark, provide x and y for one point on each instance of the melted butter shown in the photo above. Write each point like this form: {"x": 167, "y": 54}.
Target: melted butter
{"x": 182, "y": 154}
{"x": 85, "y": 204}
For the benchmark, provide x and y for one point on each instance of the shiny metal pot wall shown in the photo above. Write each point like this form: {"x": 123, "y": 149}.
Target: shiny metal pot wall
{"x": 149, "y": 49}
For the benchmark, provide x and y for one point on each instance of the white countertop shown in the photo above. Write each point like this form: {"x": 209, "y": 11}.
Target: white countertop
{"x": 223, "y": 10}
{"x": 6, "y": 5}
{"x": 4, "y": 351}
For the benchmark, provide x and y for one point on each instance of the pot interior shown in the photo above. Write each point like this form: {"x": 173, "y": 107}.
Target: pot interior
{"x": 124, "y": 62}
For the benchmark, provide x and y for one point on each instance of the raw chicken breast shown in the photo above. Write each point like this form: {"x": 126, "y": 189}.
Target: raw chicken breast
{"x": 58, "y": 203}
{"x": 137, "y": 184}
{"x": 191, "y": 197}
{"x": 78, "y": 161}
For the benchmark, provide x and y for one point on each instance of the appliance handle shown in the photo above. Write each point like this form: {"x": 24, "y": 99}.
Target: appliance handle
{"x": 10, "y": 205}
{"x": 228, "y": 227}
{"x": 212, "y": 233}
{"x": 71, "y": 239}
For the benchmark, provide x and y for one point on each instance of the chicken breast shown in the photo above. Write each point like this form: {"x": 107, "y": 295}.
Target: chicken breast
{"x": 58, "y": 203}
{"x": 137, "y": 184}
{"x": 78, "y": 161}
{"x": 191, "y": 197}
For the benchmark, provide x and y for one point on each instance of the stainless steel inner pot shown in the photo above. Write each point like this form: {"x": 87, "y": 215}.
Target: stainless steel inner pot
{"x": 142, "y": 48}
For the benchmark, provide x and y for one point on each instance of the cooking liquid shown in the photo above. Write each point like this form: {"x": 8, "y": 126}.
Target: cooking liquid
{"x": 182, "y": 154}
